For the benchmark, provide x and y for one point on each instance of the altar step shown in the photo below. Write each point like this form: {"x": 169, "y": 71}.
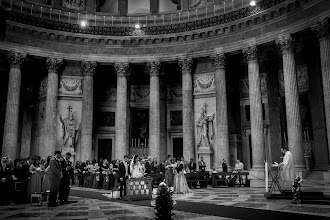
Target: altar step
{"x": 309, "y": 197}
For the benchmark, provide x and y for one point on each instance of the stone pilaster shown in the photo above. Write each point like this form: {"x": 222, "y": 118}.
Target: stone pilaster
{"x": 122, "y": 142}
{"x": 10, "y": 147}
{"x": 187, "y": 109}
{"x": 257, "y": 130}
{"x": 286, "y": 45}
{"x": 49, "y": 138}
{"x": 154, "y": 110}
{"x": 88, "y": 69}
{"x": 322, "y": 30}
{"x": 221, "y": 151}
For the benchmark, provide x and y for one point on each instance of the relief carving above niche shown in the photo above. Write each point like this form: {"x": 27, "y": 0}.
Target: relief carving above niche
{"x": 204, "y": 84}
{"x": 70, "y": 86}
{"x": 244, "y": 85}
{"x": 302, "y": 79}
{"x": 174, "y": 94}
{"x": 43, "y": 87}
{"x": 74, "y": 4}
{"x": 139, "y": 94}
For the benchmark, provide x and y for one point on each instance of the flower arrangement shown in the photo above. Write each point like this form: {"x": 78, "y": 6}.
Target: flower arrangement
{"x": 164, "y": 202}
{"x": 296, "y": 189}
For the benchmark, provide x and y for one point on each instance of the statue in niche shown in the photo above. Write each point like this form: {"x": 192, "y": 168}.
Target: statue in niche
{"x": 204, "y": 128}
{"x": 69, "y": 130}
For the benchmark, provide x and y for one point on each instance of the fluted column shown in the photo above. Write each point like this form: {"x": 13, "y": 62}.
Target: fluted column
{"x": 293, "y": 119}
{"x": 121, "y": 147}
{"x": 88, "y": 69}
{"x": 49, "y": 143}
{"x": 221, "y": 151}
{"x": 10, "y": 135}
{"x": 187, "y": 109}
{"x": 322, "y": 30}
{"x": 154, "y": 110}
{"x": 257, "y": 131}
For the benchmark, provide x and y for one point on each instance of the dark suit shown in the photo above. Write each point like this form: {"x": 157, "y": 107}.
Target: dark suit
{"x": 55, "y": 177}
{"x": 5, "y": 172}
{"x": 65, "y": 181}
{"x": 122, "y": 174}
{"x": 192, "y": 167}
{"x": 147, "y": 167}
{"x": 25, "y": 170}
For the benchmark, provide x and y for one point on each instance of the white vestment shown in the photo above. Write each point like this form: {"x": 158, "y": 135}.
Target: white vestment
{"x": 288, "y": 169}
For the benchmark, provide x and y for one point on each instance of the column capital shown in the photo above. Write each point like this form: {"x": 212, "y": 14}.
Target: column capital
{"x": 88, "y": 68}
{"x": 16, "y": 59}
{"x": 286, "y": 43}
{"x": 53, "y": 64}
{"x": 186, "y": 64}
{"x": 250, "y": 53}
{"x": 219, "y": 61}
{"x": 321, "y": 29}
{"x": 154, "y": 67}
{"x": 122, "y": 69}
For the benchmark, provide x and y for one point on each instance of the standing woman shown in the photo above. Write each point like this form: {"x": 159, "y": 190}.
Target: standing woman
{"x": 180, "y": 182}
{"x": 34, "y": 185}
{"x": 169, "y": 175}
{"x": 46, "y": 180}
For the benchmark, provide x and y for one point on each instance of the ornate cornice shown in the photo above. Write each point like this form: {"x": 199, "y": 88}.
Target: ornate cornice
{"x": 219, "y": 61}
{"x": 16, "y": 59}
{"x": 154, "y": 67}
{"x": 286, "y": 43}
{"x": 321, "y": 29}
{"x": 88, "y": 68}
{"x": 122, "y": 69}
{"x": 250, "y": 53}
{"x": 53, "y": 64}
{"x": 186, "y": 65}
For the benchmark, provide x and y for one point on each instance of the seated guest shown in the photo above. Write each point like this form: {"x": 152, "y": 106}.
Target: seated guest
{"x": 239, "y": 167}
{"x": 202, "y": 165}
{"x": 5, "y": 172}
{"x": 192, "y": 165}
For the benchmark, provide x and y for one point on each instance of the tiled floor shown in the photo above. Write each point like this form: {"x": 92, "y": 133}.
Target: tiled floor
{"x": 83, "y": 208}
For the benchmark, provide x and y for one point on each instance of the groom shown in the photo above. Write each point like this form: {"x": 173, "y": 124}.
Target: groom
{"x": 123, "y": 175}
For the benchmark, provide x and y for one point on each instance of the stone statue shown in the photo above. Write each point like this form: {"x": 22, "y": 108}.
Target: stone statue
{"x": 204, "y": 128}
{"x": 69, "y": 131}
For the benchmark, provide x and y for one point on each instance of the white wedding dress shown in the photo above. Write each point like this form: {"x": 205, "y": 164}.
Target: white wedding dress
{"x": 136, "y": 171}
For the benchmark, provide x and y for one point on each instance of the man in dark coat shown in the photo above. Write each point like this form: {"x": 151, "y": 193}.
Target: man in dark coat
{"x": 55, "y": 175}
{"x": 147, "y": 165}
{"x": 5, "y": 172}
{"x": 64, "y": 190}
{"x": 124, "y": 171}
{"x": 192, "y": 165}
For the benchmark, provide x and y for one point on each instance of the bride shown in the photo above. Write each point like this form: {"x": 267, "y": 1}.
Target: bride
{"x": 136, "y": 168}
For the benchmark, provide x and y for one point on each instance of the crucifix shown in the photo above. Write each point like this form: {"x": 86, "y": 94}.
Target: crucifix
{"x": 69, "y": 108}
{"x": 205, "y": 105}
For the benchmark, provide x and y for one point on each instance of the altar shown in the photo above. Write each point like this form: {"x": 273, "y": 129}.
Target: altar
{"x": 138, "y": 188}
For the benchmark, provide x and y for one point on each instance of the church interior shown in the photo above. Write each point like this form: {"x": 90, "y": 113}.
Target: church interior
{"x": 222, "y": 80}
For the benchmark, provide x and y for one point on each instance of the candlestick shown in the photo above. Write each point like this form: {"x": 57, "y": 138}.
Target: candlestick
{"x": 196, "y": 15}
{"x": 50, "y": 14}
{"x": 188, "y": 16}
{"x": 103, "y": 20}
{"x": 69, "y": 16}
{"x": 224, "y": 7}
{"x": 154, "y": 20}
{"x": 31, "y": 9}
{"x": 40, "y": 12}
{"x": 94, "y": 20}
{"x": 232, "y": 4}
{"x": 146, "y": 21}
{"x": 214, "y": 10}
{"x": 112, "y": 21}
{"x": 129, "y": 21}
{"x": 21, "y": 7}
{"x": 86, "y": 18}
{"x": 179, "y": 17}
{"x": 206, "y": 11}
{"x": 171, "y": 18}
{"x": 163, "y": 19}
{"x": 121, "y": 21}
{"x": 59, "y": 15}
{"x": 138, "y": 20}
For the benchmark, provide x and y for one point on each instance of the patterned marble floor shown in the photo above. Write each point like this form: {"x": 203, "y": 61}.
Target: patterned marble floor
{"x": 91, "y": 209}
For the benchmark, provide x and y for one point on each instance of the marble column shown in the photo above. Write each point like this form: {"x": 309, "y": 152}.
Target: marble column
{"x": 122, "y": 142}
{"x": 88, "y": 69}
{"x": 187, "y": 109}
{"x": 10, "y": 147}
{"x": 221, "y": 151}
{"x": 257, "y": 131}
{"x": 154, "y": 110}
{"x": 293, "y": 119}
{"x": 322, "y": 30}
{"x": 49, "y": 138}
